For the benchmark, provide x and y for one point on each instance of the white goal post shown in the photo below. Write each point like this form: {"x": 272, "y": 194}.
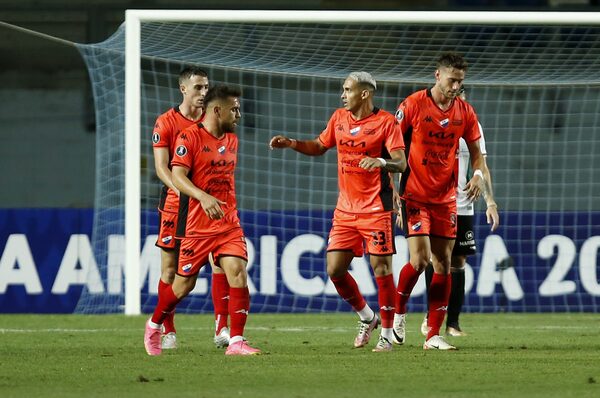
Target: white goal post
{"x": 134, "y": 19}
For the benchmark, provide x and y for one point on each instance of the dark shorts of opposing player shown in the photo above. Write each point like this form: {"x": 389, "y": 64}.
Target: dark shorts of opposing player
{"x": 355, "y": 232}
{"x": 167, "y": 223}
{"x": 426, "y": 219}
{"x": 194, "y": 252}
{"x": 465, "y": 238}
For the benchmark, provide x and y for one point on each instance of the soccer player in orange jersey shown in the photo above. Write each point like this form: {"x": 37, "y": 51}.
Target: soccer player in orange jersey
{"x": 465, "y": 239}
{"x": 204, "y": 164}
{"x": 370, "y": 146}
{"x": 193, "y": 85}
{"x": 432, "y": 121}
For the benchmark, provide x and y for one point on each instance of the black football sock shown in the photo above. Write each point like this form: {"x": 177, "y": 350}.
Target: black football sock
{"x": 457, "y": 298}
{"x": 428, "y": 277}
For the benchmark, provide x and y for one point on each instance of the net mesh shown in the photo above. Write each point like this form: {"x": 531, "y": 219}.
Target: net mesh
{"x": 535, "y": 89}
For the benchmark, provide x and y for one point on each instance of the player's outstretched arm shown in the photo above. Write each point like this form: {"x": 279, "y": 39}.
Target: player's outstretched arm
{"x": 210, "y": 204}
{"x": 311, "y": 148}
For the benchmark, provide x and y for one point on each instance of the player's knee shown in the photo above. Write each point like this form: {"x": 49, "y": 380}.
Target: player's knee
{"x": 168, "y": 275}
{"x": 182, "y": 286}
{"x": 236, "y": 275}
{"x": 458, "y": 262}
{"x": 335, "y": 270}
{"x": 419, "y": 263}
{"x": 442, "y": 267}
{"x": 381, "y": 266}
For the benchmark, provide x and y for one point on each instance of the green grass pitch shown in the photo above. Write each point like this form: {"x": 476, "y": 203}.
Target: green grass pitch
{"x": 504, "y": 355}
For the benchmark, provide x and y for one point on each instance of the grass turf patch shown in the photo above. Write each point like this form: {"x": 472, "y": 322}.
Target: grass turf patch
{"x": 306, "y": 355}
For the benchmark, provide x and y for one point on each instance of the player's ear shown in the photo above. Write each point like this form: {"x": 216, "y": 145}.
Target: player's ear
{"x": 217, "y": 110}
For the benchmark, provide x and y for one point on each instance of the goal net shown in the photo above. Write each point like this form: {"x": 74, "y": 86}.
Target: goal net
{"x": 535, "y": 86}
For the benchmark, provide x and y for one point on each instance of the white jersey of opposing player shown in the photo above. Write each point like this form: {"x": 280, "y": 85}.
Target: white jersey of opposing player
{"x": 465, "y": 206}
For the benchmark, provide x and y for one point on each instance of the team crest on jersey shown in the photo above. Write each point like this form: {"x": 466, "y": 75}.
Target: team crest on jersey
{"x": 186, "y": 268}
{"x": 399, "y": 115}
{"x": 444, "y": 123}
{"x": 181, "y": 151}
{"x": 221, "y": 149}
{"x": 355, "y": 131}
{"x": 155, "y": 137}
{"x": 416, "y": 226}
{"x": 167, "y": 239}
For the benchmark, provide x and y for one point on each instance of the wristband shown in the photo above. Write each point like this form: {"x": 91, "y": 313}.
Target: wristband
{"x": 293, "y": 143}
{"x": 478, "y": 173}
{"x": 383, "y": 162}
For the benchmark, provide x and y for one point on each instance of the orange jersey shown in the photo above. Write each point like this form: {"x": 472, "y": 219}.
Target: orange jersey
{"x": 166, "y": 128}
{"x": 211, "y": 163}
{"x": 362, "y": 191}
{"x": 432, "y": 137}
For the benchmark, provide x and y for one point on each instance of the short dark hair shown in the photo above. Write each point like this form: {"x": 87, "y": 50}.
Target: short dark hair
{"x": 452, "y": 60}
{"x": 190, "y": 71}
{"x": 221, "y": 92}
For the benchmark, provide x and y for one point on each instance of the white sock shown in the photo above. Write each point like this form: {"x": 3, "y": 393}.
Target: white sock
{"x": 236, "y": 339}
{"x": 366, "y": 314}
{"x": 154, "y": 325}
{"x": 387, "y": 333}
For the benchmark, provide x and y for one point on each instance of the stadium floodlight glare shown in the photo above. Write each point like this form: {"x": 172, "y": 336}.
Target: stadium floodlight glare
{"x": 533, "y": 79}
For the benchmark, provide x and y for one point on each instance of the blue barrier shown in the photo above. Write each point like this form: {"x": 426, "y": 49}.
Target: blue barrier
{"x": 535, "y": 262}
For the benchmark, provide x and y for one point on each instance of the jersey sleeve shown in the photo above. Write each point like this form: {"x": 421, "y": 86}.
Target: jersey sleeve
{"x": 183, "y": 154}
{"x": 394, "y": 140}
{"x": 404, "y": 114}
{"x": 327, "y": 137}
{"x": 161, "y": 133}
{"x": 472, "y": 132}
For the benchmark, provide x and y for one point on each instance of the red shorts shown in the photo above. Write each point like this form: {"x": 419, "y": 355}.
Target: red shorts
{"x": 429, "y": 219}
{"x": 351, "y": 231}
{"x": 194, "y": 252}
{"x": 167, "y": 223}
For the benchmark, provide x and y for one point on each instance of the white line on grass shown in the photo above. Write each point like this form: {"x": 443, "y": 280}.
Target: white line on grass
{"x": 263, "y": 328}
{"x": 299, "y": 329}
